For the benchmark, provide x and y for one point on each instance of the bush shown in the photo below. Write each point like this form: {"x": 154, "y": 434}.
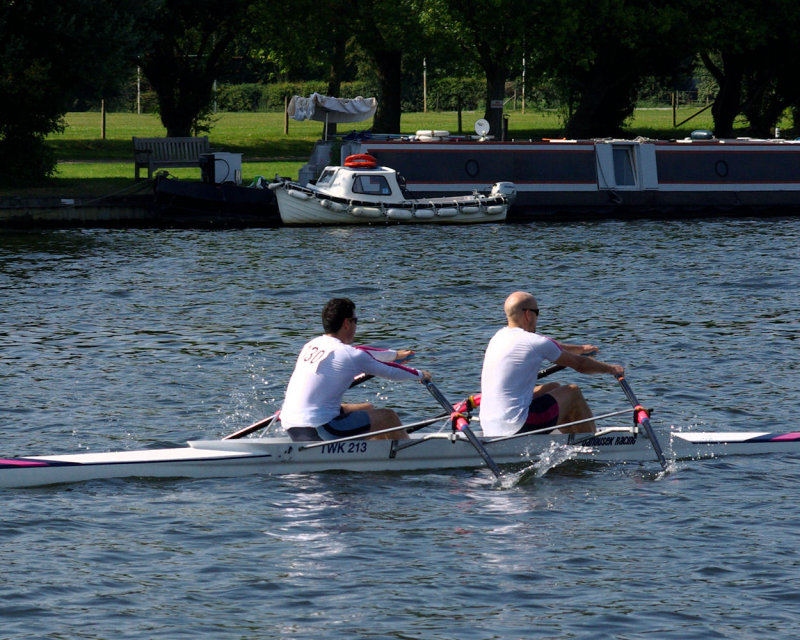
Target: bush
{"x": 448, "y": 94}
{"x": 25, "y": 160}
{"x": 239, "y": 97}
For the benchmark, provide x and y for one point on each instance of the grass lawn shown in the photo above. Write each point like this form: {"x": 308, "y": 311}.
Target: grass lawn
{"x": 91, "y": 165}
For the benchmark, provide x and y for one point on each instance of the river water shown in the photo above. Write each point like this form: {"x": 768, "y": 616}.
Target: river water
{"x": 115, "y": 339}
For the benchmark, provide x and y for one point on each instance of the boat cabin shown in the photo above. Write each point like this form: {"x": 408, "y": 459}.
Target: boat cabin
{"x": 378, "y": 184}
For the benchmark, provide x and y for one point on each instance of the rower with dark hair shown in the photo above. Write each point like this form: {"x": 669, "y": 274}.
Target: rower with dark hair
{"x": 312, "y": 407}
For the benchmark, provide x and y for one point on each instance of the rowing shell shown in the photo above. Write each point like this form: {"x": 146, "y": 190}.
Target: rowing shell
{"x": 231, "y": 458}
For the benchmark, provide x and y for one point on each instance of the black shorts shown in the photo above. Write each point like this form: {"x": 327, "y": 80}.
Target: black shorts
{"x": 542, "y": 413}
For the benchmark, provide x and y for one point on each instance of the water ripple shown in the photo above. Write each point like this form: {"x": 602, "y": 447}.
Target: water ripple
{"x": 128, "y": 339}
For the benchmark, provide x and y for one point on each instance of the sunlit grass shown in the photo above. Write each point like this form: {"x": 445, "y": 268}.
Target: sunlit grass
{"x": 89, "y": 163}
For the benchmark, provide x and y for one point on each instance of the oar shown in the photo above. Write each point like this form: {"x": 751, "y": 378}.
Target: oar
{"x": 261, "y": 424}
{"x": 363, "y": 377}
{"x": 555, "y": 368}
{"x": 643, "y": 419}
{"x": 461, "y": 425}
{"x": 241, "y": 433}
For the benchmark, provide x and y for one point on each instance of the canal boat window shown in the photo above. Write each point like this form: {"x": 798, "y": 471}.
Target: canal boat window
{"x": 372, "y": 185}
{"x": 326, "y": 178}
{"x": 623, "y": 166}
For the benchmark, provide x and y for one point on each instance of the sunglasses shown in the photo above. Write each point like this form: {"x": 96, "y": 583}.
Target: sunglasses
{"x": 536, "y": 311}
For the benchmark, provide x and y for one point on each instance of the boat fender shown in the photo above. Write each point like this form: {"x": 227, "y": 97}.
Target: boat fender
{"x": 300, "y": 195}
{"x": 447, "y": 212}
{"x": 366, "y": 212}
{"x": 399, "y": 214}
{"x": 424, "y": 214}
{"x": 495, "y": 209}
{"x": 274, "y": 185}
{"x": 471, "y": 208}
{"x": 334, "y": 206}
{"x": 701, "y": 134}
{"x": 428, "y": 135}
{"x": 361, "y": 161}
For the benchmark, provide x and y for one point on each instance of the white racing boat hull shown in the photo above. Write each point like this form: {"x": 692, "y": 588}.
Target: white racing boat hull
{"x": 231, "y": 458}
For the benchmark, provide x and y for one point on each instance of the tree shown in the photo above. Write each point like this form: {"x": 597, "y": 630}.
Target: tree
{"x": 189, "y": 45}
{"x": 320, "y": 48}
{"x": 384, "y": 30}
{"x": 732, "y": 31}
{"x": 493, "y": 34}
{"x": 749, "y": 50}
{"x": 599, "y": 53}
{"x": 49, "y": 53}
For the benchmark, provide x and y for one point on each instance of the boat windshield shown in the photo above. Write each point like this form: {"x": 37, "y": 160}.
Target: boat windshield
{"x": 326, "y": 178}
{"x": 372, "y": 185}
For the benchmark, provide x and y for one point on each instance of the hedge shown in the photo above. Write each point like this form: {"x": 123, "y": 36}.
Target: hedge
{"x": 444, "y": 94}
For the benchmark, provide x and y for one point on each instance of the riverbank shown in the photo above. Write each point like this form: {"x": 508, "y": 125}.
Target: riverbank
{"x": 52, "y": 211}
{"x": 94, "y": 184}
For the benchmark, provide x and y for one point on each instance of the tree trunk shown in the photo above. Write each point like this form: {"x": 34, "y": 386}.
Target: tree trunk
{"x": 728, "y": 102}
{"x": 495, "y": 91}
{"x": 606, "y": 101}
{"x": 763, "y": 104}
{"x": 387, "y": 117}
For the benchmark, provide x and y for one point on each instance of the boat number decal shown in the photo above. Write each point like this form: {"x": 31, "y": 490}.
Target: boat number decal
{"x": 345, "y": 447}
{"x": 472, "y": 168}
{"x": 721, "y": 168}
{"x": 609, "y": 441}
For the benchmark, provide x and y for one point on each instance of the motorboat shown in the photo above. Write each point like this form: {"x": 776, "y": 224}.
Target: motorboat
{"x": 363, "y": 192}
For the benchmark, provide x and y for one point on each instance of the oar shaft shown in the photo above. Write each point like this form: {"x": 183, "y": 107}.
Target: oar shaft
{"x": 555, "y": 368}
{"x": 241, "y": 433}
{"x": 547, "y": 371}
{"x": 643, "y": 419}
{"x": 462, "y": 426}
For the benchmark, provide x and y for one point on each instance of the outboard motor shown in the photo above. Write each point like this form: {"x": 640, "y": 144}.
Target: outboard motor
{"x": 507, "y": 189}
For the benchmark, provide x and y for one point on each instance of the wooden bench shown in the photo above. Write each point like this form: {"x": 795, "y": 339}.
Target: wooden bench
{"x": 152, "y": 153}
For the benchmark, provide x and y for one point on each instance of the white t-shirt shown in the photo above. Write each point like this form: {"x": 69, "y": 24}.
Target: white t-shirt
{"x": 323, "y": 373}
{"x": 510, "y": 369}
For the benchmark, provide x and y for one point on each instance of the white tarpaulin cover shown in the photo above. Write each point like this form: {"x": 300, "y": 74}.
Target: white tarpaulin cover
{"x": 327, "y": 109}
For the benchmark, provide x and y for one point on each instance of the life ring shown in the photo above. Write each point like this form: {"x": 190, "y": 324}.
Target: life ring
{"x": 361, "y": 161}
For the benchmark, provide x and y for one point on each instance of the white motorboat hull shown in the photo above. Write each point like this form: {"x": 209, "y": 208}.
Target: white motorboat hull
{"x": 295, "y": 210}
{"x": 361, "y": 192}
{"x": 232, "y": 458}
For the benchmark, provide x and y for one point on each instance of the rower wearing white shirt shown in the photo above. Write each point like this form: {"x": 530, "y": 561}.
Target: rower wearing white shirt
{"x": 312, "y": 407}
{"x": 511, "y": 401}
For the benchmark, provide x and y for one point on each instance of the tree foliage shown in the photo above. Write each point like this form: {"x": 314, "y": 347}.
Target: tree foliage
{"x": 189, "y": 42}
{"x": 601, "y": 52}
{"x": 50, "y": 53}
{"x": 493, "y": 34}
